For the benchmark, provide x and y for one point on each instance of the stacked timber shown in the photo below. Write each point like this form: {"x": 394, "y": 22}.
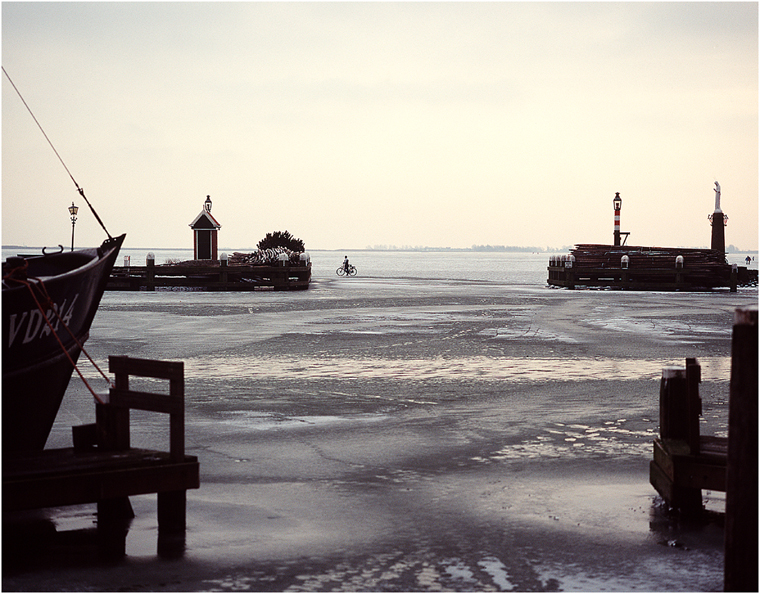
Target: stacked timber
{"x": 646, "y": 268}
{"x": 704, "y": 267}
{"x": 267, "y": 257}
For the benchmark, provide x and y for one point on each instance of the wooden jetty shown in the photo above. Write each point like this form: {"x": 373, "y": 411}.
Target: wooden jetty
{"x": 102, "y": 468}
{"x": 212, "y": 275}
{"x": 646, "y": 269}
{"x": 686, "y": 462}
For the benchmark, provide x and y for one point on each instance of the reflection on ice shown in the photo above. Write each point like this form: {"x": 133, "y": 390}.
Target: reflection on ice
{"x": 497, "y": 571}
{"x": 263, "y": 421}
{"x": 480, "y": 368}
{"x": 566, "y": 441}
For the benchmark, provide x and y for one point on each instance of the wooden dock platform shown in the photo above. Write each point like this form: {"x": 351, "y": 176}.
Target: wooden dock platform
{"x": 210, "y": 275}
{"x": 102, "y": 468}
{"x": 646, "y": 269}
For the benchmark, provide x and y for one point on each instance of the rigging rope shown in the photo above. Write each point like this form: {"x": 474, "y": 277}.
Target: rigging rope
{"x": 80, "y": 190}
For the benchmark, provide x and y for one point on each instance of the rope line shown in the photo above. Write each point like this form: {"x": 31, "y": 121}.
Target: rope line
{"x": 80, "y": 190}
{"x": 49, "y": 303}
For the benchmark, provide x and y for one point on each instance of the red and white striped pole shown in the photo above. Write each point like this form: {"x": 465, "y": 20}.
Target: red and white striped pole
{"x": 617, "y": 202}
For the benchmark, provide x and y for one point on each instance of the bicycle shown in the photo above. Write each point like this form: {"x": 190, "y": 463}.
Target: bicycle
{"x": 341, "y": 271}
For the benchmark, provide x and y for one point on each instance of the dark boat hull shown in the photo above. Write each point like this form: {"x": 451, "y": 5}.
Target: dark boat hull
{"x": 36, "y": 371}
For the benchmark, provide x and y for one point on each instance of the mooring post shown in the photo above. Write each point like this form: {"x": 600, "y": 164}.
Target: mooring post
{"x": 673, "y": 403}
{"x": 693, "y": 404}
{"x": 676, "y": 425}
{"x": 569, "y": 272}
{"x": 733, "y": 283}
{"x": 741, "y": 550}
{"x": 223, "y": 268}
{"x": 150, "y": 272}
{"x": 679, "y": 270}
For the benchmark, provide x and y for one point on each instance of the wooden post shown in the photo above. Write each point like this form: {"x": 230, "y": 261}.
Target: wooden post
{"x": 114, "y": 518}
{"x": 150, "y": 272}
{"x": 741, "y": 550}
{"x": 177, "y": 418}
{"x": 733, "y": 283}
{"x": 223, "y": 270}
{"x": 111, "y": 422}
{"x": 171, "y": 511}
{"x": 673, "y": 403}
{"x": 676, "y": 427}
{"x": 693, "y": 404}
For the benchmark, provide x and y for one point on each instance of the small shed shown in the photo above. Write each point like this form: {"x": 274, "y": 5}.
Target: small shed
{"x": 205, "y": 228}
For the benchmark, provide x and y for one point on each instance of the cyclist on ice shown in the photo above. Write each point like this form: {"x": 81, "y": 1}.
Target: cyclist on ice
{"x": 345, "y": 264}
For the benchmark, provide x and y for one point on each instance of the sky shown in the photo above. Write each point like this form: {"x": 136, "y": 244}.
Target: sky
{"x": 355, "y": 125}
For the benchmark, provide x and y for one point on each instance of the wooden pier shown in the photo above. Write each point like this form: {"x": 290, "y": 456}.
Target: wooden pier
{"x": 210, "y": 275}
{"x": 102, "y": 468}
{"x": 646, "y": 269}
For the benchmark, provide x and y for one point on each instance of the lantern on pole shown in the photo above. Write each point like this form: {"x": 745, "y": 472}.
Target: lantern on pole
{"x": 73, "y": 210}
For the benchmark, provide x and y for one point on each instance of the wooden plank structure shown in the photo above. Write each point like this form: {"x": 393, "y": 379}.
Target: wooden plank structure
{"x": 211, "y": 275}
{"x": 646, "y": 269}
{"x": 686, "y": 462}
{"x": 102, "y": 468}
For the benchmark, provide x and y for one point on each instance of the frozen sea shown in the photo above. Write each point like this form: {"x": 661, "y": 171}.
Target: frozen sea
{"x": 444, "y": 421}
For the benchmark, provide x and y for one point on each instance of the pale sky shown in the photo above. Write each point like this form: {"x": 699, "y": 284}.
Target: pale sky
{"x": 362, "y": 124}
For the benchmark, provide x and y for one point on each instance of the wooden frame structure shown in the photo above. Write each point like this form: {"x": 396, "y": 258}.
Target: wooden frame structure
{"x": 685, "y": 462}
{"x": 103, "y": 468}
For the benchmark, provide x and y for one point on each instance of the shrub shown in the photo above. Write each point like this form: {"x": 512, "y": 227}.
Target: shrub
{"x": 281, "y": 239}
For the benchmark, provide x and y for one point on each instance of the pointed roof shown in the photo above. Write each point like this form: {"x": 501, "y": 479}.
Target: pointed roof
{"x": 205, "y": 221}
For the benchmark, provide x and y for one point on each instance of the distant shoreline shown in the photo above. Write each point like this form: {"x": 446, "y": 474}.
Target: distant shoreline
{"x": 475, "y": 249}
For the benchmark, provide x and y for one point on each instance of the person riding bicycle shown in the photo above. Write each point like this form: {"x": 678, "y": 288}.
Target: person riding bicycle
{"x": 345, "y": 264}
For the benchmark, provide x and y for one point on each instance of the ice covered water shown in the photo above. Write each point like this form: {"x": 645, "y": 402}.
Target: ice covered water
{"x": 439, "y": 422}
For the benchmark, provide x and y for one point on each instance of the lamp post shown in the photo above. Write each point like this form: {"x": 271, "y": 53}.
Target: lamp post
{"x": 73, "y": 210}
{"x": 617, "y": 202}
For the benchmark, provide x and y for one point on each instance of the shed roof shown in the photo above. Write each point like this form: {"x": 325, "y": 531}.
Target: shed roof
{"x": 205, "y": 221}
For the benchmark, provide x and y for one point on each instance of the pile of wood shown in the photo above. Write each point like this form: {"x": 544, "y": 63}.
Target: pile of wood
{"x": 267, "y": 257}
{"x": 647, "y": 267}
{"x": 590, "y": 255}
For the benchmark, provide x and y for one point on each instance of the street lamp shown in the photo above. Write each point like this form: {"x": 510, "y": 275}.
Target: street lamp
{"x": 73, "y": 210}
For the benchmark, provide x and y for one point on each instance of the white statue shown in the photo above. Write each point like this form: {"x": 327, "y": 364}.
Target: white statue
{"x": 717, "y": 197}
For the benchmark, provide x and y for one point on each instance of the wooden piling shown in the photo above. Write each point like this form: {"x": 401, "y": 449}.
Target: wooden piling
{"x": 150, "y": 273}
{"x": 741, "y": 541}
{"x": 676, "y": 461}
